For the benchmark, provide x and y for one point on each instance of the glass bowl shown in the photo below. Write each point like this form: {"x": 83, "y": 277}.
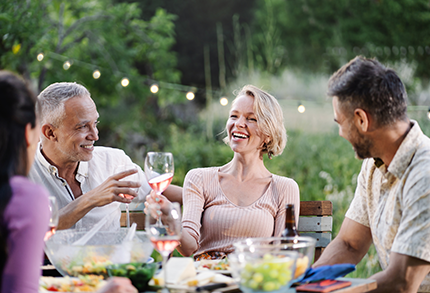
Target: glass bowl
{"x": 138, "y": 273}
{"x": 303, "y": 245}
{"x": 103, "y": 249}
{"x": 263, "y": 269}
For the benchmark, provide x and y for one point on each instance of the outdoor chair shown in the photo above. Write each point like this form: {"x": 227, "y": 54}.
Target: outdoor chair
{"x": 316, "y": 221}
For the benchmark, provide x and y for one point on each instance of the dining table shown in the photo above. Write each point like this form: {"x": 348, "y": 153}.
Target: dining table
{"x": 357, "y": 286}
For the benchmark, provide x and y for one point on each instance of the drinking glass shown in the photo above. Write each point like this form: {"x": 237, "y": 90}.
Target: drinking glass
{"x": 54, "y": 218}
{"x": 164, "y": 227}
{"x": 133, "y": 177}
{"x": 159, "y": 170}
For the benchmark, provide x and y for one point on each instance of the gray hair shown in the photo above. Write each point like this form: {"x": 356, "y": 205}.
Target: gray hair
{"x": 51, "y": 100}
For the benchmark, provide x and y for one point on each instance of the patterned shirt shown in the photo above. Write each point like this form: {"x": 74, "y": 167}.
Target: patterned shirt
{"x": 394, "y": 202}
{"x": 90, "y": 175}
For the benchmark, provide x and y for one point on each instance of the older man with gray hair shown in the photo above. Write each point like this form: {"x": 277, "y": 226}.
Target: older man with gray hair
{"x": 80, "y": 175}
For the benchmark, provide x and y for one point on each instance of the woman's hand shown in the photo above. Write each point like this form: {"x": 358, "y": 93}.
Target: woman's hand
{"x": 161, "y": 200}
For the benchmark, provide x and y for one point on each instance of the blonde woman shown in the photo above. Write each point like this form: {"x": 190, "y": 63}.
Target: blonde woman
{"x": 242, "y": 198}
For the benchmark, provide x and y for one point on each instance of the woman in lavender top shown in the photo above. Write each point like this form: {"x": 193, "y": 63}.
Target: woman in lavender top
{"x": 24, "y": 207}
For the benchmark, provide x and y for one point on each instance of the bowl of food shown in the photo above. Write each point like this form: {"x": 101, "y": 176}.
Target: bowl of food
{"x": 138, "y": 273}
{"x": 263, "y": 269}
{"x": 304, "y": 247}
{"x": 103, "y": 249}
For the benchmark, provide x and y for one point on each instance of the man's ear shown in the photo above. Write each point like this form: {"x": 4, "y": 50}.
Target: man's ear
{"x": 48, "y": 131}
{"x": 362, "y": 120}
{"x": 28, "y": 134}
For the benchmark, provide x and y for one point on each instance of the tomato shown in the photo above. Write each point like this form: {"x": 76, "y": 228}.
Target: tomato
{"x": 52, "y": 288}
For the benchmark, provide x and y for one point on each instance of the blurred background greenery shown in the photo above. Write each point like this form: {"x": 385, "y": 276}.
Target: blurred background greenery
{"x": 212, "y": 48}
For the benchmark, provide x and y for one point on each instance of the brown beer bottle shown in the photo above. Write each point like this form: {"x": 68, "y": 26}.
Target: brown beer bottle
{"x": 290, "y": 222}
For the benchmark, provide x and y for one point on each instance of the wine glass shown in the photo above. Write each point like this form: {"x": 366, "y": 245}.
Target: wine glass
{"x": 163, "y": 225}
{"x": 132, "y": 177}
{"x": 54, "y": 217}
{"x": 159, "y": 170}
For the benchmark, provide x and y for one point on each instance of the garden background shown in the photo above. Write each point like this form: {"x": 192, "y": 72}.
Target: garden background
{"x": 120, "y": 49}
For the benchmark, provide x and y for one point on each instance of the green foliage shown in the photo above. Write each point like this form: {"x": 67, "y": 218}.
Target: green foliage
{"x": 96, "y": 35}
{"x": 323, "y": 35}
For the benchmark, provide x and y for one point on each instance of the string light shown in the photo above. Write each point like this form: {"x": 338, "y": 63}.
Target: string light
{"x": 223, "y": 101}
{"x": 66, "y": 65}
{"x": 428, "y": 113}
{"x": 190, "y": 96}
{"x": 301, "y": 108}
{"x": 125, "y": 82}
{"x": 96, "y": 74}
{"x": 154, "y": 88}
{"x": 40, "y": 57}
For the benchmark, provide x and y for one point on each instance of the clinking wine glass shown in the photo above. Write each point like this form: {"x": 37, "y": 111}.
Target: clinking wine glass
{"x": 159, "y": 170}
{"x": 164, "y": 226}
{"x": 54, "y": 218}
{"x": 133, "y": 177}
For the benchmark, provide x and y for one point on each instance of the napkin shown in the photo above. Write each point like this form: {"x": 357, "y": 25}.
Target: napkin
{"x": 326, "y": 273}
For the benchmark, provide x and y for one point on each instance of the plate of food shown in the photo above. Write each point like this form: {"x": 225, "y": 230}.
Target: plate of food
{"x": 84, "y": 283}
{"x": 218, "y": 265}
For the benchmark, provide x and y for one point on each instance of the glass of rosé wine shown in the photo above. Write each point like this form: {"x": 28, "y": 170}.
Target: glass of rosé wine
{"x": 54, "y": 217}
{"x": 163, "y": 226}
{"x": 159, "y": 170}
{"x": 133, "y": 177}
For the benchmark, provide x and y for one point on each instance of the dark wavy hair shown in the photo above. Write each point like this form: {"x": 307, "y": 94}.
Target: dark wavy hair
{"x": 367, "y": 84}
{"x": 17, "y": 109}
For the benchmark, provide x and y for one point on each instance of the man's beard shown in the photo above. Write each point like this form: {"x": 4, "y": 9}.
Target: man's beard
{"x": 362, "y": 147}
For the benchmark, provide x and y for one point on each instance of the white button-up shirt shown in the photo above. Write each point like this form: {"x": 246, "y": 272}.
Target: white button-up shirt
{"x": 90, "y": 175}
{"x": 394, "y": 202}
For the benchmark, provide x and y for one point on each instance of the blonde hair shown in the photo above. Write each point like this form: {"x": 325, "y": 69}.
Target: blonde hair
{"x": 270, "y": 119}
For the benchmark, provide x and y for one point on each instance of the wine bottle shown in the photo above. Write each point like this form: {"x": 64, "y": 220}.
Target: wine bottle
{"x": 290, "y": 222}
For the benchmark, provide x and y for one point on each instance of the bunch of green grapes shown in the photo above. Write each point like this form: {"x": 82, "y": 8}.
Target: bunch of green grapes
{"x": 268, "y": 274}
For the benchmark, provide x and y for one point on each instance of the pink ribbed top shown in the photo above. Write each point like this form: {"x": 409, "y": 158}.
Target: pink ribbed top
{"x": 216, "y": 223}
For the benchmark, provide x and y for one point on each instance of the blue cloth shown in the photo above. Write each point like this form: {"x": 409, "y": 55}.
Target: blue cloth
{"x": 326, "y": 273}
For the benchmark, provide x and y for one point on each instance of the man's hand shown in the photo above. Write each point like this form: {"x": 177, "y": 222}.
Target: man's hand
{"x": 403, "y": 274}
{"x": 118, "y": 285}
{"x": 111, "y": 190}
{"x": 114, "y": 189}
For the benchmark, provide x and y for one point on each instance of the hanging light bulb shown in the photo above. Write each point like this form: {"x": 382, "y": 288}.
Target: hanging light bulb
{"x": 223, "y": 101}
{"x": 96, "y": 74}
{"x": 66, "y": 65}
{"x": 125, "y": 82}
{"x": 190, "y": 95}
{"x": 154, "y": 88}
{"x": 301, "y": 109}
{"x": 40, "y": 57}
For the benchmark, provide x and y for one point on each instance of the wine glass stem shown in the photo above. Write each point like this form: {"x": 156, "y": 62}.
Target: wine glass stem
{"x": 159, "y": 223}
{"x": 165, "y": 257}
{"x": 128, "y": 215}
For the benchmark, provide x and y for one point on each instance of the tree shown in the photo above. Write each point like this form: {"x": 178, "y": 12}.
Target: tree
{"x": 196, "y": 27}
{"x": 96, "y": 35}
{"x": 323, "y": 35}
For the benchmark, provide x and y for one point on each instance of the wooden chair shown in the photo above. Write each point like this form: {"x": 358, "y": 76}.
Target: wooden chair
{"x": 137, "y": 217}
{"x": 316, "y": 221}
